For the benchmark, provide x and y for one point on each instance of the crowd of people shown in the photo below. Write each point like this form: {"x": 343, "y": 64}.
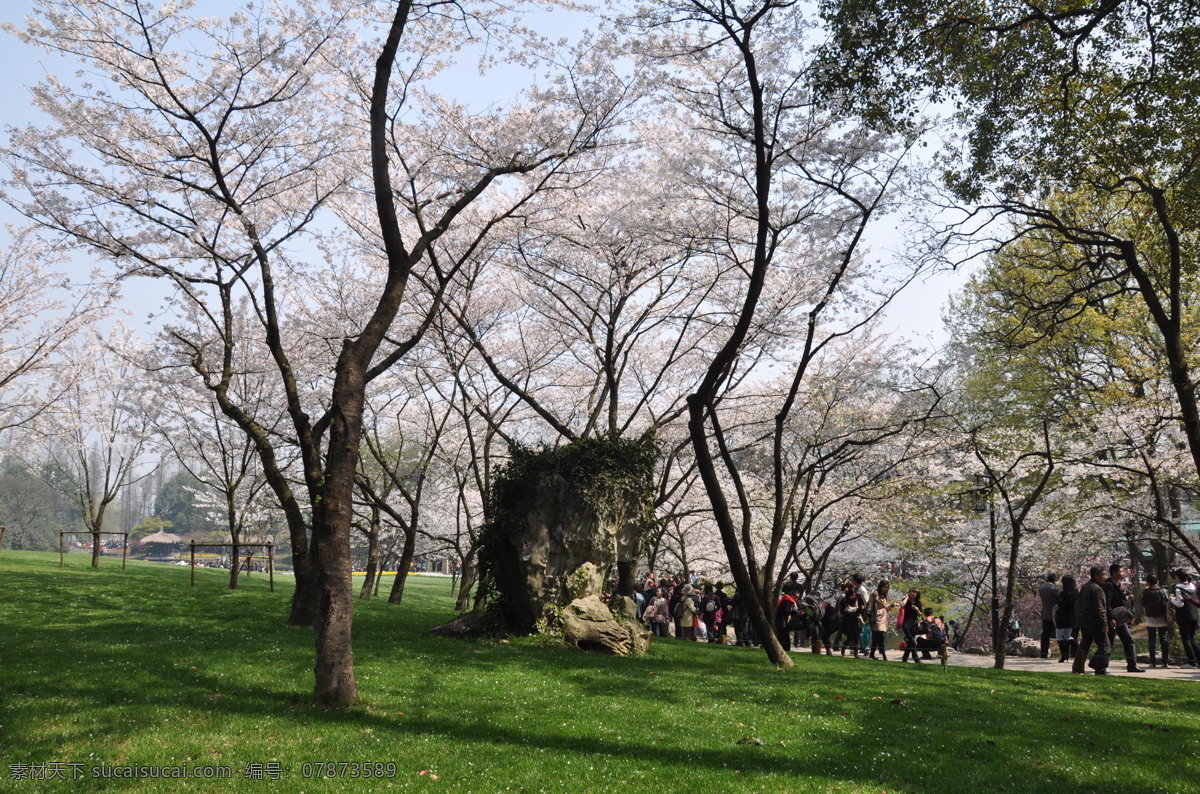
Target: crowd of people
{"x": 1099, "y": 613}
{"x": 855, "y": 622}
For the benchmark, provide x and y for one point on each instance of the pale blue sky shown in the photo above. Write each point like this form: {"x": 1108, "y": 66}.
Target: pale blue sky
{"x": 915, "y": 314}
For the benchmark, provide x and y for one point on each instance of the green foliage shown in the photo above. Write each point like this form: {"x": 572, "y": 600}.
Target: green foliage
{"x": 606, "y": 473}
{"x": 136, "y": 668}
{"x": 176, "y": 503}
{"x": 1055, "y": 93}
{"x": 148, "y": 527}
{"x": 33, "y": 511}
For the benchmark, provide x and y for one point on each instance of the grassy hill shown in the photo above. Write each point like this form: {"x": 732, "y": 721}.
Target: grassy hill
{"x": 103, "y": 671}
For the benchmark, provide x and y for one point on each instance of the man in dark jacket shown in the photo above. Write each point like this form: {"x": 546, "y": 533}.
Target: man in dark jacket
{"x": 1048, "y": 593}
{"x": 1115, "y": 597}
{"x": 1092, "y": 611}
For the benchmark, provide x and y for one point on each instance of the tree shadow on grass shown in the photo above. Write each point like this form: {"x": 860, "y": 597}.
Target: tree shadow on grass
{"x": 124, "y": 660}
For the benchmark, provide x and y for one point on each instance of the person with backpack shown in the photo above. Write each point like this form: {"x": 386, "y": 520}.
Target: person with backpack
{"x": 793, "y": 586}
{"x": 1066, "y": 624}
{"x": 1154, "y": 607}
{"x": 814, "y": 616}
{"x": 1187, "y": 615}
{"x": 710, "y": 612}
{"x": 739, "y": 615}
{"x": 657, "y": 613}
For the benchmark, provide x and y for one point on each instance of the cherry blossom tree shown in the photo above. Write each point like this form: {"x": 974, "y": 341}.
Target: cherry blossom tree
{"x": 791, "y": 189}
{"x": 40, "y": 310}
{"x": 95, "y": 439}
{"x": 213, "y": 147}
{"x": 220, "y": 457}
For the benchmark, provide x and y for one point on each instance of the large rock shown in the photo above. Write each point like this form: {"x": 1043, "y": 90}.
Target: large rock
{"x": 1025, "y": 646}
{"x": 564, "y": 548}
{"x": 590, "y": 625}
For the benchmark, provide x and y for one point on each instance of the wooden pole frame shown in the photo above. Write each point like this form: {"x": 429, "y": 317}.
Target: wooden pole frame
{"x": 62, "y": 550}
{"x": 268, "y": 546}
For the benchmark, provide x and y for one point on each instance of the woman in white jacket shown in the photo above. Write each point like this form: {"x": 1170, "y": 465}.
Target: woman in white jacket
{"x": 1187, "y": 615}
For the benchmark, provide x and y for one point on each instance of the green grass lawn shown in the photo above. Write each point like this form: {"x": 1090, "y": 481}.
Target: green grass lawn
{"x": 115, "y": 668}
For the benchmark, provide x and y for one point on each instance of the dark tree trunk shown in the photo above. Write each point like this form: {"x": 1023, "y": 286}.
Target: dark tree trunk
{"x": 464, "y": 586}
{"x": 757, "y": 602}
{"x": 372, "y": 556}
{"x": 480, "y": 595}
{"x": 304, "y": 598}
{"x": 235, "y": 535}
{"x": 372, "y": 571}
{"x": 332, "y": 519}
{"x": 236, "y": 564}
{"x": 406, "y": 558}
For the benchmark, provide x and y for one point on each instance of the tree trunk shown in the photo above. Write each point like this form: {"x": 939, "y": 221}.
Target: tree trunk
{"x": 95, "y": 549}
{"x": 406, "y": 558}
{"x": 756, "y": 601}
{"x": 372, "y": 571}
{"x": 1009, "y": 592}
{"x": 235, "y": 564}
{"x": 332, "y": 520}
{"x": 480, "y": 595}
{"x": 334, "y": 669}
{"x": 464, "y": 586}
{"x": 372, "y": 556}
{"x": 235, "y": 535}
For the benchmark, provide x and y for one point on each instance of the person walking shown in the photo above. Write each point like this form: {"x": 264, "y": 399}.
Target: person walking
{"x": 1049, "y": 593}
{"x": 851, "y": 609}
{"x": 1066, "y": 620}
{"x": 910, "y": 614}
{"x": 722, "y": 616}
{"x": 1187, "y": 615}
{"x": 1154, "y": 606}
{"x": 1120, "y": 616}
{"x": 877, "y": 613}
{"x": 1091, "y": 609}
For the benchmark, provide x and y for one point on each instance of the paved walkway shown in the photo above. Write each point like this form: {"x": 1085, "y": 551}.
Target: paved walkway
{"x": 1052, "y": 665}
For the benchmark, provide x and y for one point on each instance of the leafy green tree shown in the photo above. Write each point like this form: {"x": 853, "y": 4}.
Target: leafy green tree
{"x": 1093, "y": 366}
{"x": 176, "y": 503}
{"x": 1081, "y": 132}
